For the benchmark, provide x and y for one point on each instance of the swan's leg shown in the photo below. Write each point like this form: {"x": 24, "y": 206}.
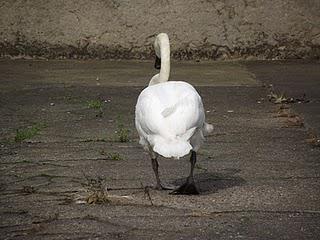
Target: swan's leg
{"x": 159, "y": 186}
{"x": 189, "y": 186}
{"x": 155, "y": 166}
{"x": 193, "y": 160}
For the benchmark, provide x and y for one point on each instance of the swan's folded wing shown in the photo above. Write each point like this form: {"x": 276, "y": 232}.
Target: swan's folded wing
{"x": 169, "y": 110}
{"x": 147, "y": 114}
{"x": 185, "y": 115}
{"x": 180, "y": 118}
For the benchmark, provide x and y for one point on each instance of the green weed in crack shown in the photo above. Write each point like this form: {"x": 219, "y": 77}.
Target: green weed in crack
{"x": 28, "y": 132}
{"x": 122, "y": 132}
{"x": 96, "y": 105}
{"x": 112, "y": 156}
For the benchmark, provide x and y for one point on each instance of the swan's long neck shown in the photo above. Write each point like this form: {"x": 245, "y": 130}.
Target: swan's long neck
{"x": 162, "y": 48}
{"x": 165, "y": 59}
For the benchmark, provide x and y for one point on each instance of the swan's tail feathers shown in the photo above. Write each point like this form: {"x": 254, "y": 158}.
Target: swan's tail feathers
{"x": 175, "y": 148}
{"x": 207, "y": 128}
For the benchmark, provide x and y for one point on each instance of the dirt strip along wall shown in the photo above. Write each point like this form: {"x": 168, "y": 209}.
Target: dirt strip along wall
{"x": 125, "y": 29}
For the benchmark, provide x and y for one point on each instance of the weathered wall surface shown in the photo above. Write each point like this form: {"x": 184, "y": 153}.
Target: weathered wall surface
{"x": 215, "y": 29}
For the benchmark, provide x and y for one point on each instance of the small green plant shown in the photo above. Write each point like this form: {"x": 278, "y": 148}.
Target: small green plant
{"x": 28, "y": 132}
{"x": 97, "y": 105}
{"x": 123, "y": 133}
{"x": 115, "y": 156}
{"x": 112, "y": 156}
{"x": 95, "y": 140}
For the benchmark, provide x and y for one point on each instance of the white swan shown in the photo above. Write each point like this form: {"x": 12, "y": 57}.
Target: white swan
{"x": 170, "y": 117}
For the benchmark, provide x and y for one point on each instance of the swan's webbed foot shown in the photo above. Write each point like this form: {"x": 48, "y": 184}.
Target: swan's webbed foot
{"x": 188, "y": 188}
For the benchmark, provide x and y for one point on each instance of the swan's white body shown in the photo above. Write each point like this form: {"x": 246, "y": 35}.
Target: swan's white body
{"x": 169, "y": 116}
{"x": 170, "y": 119}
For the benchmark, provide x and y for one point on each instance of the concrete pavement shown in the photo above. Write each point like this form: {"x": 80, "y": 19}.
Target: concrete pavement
{"x": 62, "y": 126}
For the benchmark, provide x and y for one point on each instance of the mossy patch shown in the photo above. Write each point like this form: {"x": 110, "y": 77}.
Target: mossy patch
{"x": 96, "y": 105}
{"x": 112, "y": 156}
{"x": 28, "y": 132}
{"x": 122, "y": 132}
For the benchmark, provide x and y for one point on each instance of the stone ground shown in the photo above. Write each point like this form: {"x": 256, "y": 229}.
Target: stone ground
{"x": 62, "y": 123}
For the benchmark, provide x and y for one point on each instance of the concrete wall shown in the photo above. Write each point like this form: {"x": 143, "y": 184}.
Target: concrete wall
{"x": 215, "y": 29}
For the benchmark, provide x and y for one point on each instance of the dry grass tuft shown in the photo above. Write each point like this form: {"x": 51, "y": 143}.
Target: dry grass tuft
{"x": 279, "y": 98}
{"x": 97, "y": 197}
{"x": 284, "y": 111}
{"x": 295, "y": 121}
{"x": 98, "y": 194}
{"x": 313, "y": 140}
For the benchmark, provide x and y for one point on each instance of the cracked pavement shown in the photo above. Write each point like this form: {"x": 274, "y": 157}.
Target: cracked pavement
{"x": 257, "y": 174}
